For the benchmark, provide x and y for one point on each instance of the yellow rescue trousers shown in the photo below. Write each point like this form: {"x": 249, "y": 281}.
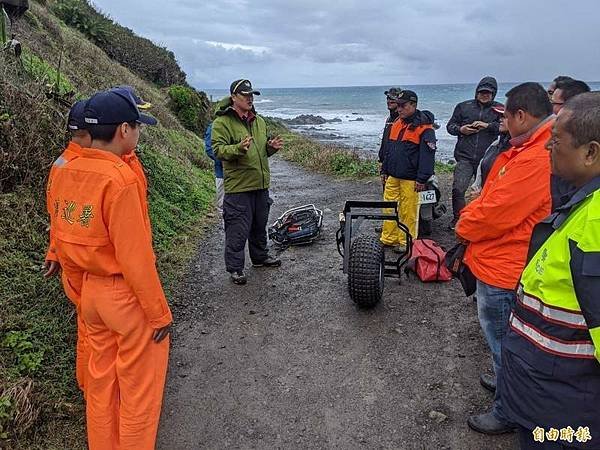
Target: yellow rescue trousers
{"x": 127, "y": 369}
{"x": 403, "y": 192}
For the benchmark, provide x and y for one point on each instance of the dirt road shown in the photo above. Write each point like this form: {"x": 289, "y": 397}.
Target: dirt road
{"x": 288, "y": 361}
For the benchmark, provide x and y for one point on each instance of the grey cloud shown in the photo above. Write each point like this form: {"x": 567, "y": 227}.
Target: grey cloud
{"x": 356, "y": 42}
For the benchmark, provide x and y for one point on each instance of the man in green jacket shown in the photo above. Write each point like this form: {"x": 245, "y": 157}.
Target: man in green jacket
{"x": 239, "y": 139}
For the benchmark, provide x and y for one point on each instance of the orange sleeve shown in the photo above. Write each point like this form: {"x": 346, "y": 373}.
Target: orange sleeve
{"x": 133, "y": 252}
{"x": 524, "y": 189}
{"x": 51, "y": 252}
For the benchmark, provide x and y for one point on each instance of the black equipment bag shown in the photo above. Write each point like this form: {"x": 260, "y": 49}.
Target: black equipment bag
{"x": 300, "y": 225}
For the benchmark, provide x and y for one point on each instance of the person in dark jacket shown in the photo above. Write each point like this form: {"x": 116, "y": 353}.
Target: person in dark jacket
{"x": 220, "y": 188}
{"x": 392, "y": 107}
{"x": 476, "y": 124}
{"x": 550, "y": 382}
{"x": 408, "y": 164}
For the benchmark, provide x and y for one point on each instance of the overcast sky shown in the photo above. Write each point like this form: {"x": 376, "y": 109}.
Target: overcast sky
{"x": 278, "y": 43}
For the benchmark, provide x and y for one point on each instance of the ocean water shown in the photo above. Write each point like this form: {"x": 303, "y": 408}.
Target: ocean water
{"x": 368, "y": 103}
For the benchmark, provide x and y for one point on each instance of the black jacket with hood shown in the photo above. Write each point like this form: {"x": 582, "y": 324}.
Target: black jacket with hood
{"x": 411, "y": 154}
{"x": 472, "y": 147}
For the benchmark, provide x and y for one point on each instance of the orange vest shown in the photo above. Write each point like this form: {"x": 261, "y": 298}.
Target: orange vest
{"x": 498, "y": 224}
{"x": 410, "y": 134}
{"x": 100, "y": 227}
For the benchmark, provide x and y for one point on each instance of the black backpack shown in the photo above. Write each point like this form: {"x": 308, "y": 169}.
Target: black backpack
{"x": 300, "y": 225}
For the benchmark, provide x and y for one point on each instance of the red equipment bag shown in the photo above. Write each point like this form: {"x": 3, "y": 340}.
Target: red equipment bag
{"x": 428, "y": 261}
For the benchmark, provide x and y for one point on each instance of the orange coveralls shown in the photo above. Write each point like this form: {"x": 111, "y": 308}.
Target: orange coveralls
{"x": 498, "y": 223}
{"x": 71, "y": 152}
{"x": 103, "y": 243}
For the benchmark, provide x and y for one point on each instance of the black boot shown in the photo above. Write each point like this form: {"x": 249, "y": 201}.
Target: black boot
{"x": 488, "y": 382}
{"x": 238, "y": 277}
{"x": 488, "y": 424}
{"x": 269, "y": 262}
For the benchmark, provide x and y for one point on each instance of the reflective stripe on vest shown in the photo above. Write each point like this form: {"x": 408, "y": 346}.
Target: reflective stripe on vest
{"x": 574, "y": 349}
{"x": 569, "y": 318}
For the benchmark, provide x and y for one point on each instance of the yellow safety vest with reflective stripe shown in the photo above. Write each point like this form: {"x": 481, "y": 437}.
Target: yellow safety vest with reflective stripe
{"x": 547, "y": 287}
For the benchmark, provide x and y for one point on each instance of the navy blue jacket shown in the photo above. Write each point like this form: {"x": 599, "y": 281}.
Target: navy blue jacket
{"x": 554, "y": 390}
{"x": 211, "y": 154}
{"x": 410, "y": 153}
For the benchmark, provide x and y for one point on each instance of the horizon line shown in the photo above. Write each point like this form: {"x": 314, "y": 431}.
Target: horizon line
{"x": 379, "y": 85}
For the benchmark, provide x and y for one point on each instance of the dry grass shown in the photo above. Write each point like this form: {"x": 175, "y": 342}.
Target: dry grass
{"x": 28, "y": 121}
{"x": 20, "y": 395}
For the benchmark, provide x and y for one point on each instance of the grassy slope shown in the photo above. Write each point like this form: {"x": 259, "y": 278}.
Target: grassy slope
{"x": 40, "y": 406}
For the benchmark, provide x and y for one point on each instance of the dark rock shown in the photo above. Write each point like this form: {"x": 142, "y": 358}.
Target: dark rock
{"x": 306, "y": 119}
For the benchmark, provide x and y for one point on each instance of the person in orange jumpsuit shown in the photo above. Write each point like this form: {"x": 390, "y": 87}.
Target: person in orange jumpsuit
{"x": 80, "y": 137}
{"x": 104, "y": 246}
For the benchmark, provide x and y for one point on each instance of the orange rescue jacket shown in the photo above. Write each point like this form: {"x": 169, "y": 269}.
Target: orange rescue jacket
{"x": 97, "y": 210}
{"x": 515, "y": 197}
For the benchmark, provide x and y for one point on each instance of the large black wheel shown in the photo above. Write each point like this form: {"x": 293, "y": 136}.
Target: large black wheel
{"x": 366, "y": 271}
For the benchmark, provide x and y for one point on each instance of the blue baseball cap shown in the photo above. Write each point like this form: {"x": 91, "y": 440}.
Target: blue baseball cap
{"x": 113, "y": 108}
{"x": 141, "y": 103}
{"x": 76, "y": 119}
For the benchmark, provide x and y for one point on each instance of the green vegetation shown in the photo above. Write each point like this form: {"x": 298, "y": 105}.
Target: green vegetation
{"x": 330, "y": 159}
{"x": 80, "y": 16}
{"x": 441, "y": 167}
{"x": 45, "y": 74}
{"x": 143, "y": 57}
{"x": 3, "y": 22}
{"x": 191, "y": 108}
{"x": 40, "y": 404}
{"x": 321, "y": 157}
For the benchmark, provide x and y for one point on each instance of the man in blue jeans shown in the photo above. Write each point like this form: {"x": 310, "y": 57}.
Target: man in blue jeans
{"x": 497, "y": 226}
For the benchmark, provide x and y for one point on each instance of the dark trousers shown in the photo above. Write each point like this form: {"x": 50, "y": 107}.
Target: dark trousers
{"x": 245, "y": 215}
{"x": 464, "y": 171}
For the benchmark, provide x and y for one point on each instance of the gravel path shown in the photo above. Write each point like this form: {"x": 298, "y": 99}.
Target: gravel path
{"x": 288, "y": 361}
